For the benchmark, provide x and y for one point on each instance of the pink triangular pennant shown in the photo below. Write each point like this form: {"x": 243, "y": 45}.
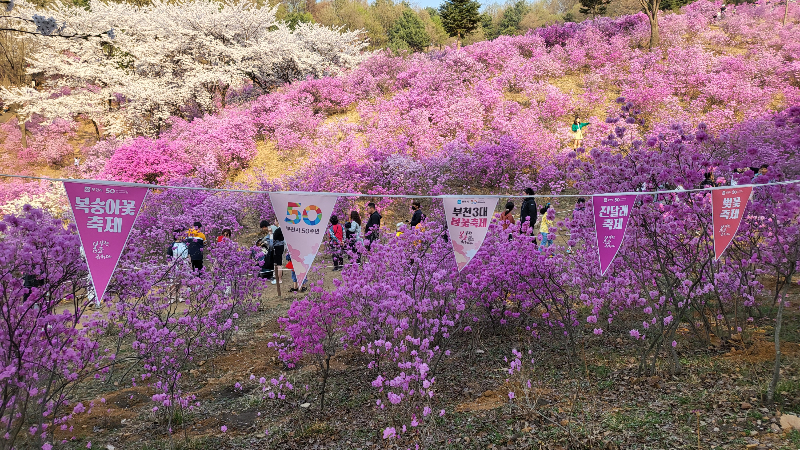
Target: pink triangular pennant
{"x": 468, "y": 220}
{"x": 727, "y": 207}
{"x": 611, "y": 214}
{"x": 304, "y": 222}
{"x": 104, "y": 215}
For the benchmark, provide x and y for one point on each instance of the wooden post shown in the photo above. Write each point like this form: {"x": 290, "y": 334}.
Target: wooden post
{"x": 277, "y": 280}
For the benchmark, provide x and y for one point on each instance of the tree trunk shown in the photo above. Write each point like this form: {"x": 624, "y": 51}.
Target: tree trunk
{"x": 655, "y": 38}
{"x": 776, "y": 370}
{"x": 325, "y": 371}
{"x": 22, "y": 131}
{"x": 785, "y": 12}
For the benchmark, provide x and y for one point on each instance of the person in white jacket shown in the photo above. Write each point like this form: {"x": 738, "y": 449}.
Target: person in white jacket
{"x": 353, "y": 235}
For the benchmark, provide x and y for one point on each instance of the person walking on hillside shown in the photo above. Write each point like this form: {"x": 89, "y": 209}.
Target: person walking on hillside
{"x": 762, "y": 175}
{"x": 278, "y": 247}
{"x": 178, "y": 250}
{"x": 195, "y": 242}
{"x": 506, "y": 217}
{"x": 580, "y": 204}
{"x": 529, "y": 210}
{"x": 737, "y": 172}
{"x": 336, "y": 242}
{"x": 372, "y": 230}
{"x": 577, "y": 132}
{"x": 418, "y": 215}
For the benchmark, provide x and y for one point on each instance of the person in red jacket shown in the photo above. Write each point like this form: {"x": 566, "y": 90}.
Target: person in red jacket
{"x": 226, "y": 233}
{"x": 336, "y": 236}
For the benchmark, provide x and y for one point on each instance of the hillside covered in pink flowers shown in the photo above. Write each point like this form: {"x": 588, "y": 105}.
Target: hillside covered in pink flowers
{"x": 529, "y": 345}
{"x": 491, "y": 117}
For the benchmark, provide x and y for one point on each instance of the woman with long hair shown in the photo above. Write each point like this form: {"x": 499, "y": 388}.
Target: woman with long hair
{"x": 506, "y": 218}
{"x": 353, "y": 235}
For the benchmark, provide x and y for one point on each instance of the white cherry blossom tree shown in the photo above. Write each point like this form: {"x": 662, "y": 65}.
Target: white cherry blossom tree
{"x": 170, "y": 59}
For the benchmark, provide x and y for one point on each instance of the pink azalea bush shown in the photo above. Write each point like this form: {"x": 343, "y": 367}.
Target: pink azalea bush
{"x": 208, "y": 147}
{"x": 491, "y": 118}
{"x": 44, "y": 354}
{"x": 49, "y": 143}
{"x": 406, "y": 303}
{"x": 526, "y": 89}
{"x": 46, "y": 143}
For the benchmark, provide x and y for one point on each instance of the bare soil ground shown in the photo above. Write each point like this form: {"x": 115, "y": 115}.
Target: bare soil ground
{"x": 596, "y": 401}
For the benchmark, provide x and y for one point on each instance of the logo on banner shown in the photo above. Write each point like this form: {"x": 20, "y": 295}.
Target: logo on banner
{"x": 467, "y": 221}
{"x": 611, "y": 214}
{"x": 304, "y": 226}
{"x": 727, "y": 208}
{"x": 104, "y": 216}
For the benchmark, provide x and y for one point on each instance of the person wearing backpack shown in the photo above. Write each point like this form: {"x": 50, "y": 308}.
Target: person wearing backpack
{"x": 336, "y": 243}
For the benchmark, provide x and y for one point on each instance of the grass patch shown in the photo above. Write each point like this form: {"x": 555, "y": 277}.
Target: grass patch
{"x": 201, "y": 443}
{"x": 316, "y": 429}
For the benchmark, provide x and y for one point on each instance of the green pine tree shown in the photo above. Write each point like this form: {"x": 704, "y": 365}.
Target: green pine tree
{"x": 673, "y": 5}
{"x": 295, "y": 18}
{"x": 594, "y": 7}
{"x": 408, "y": 32}
{"x": 460, "y": 17}
{"x": 512, "y": 16}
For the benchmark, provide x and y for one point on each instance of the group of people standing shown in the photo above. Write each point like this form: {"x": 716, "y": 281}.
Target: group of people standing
{"x": 761, "y": 175}
{"x": 188, "y": 245}
{"x": 340, "y": 238}
{"x": 531, "y": 214}
{"x": 347, "y": 238}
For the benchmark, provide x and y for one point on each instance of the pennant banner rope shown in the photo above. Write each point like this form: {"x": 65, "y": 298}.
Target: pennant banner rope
{"x": 105, "y": 212}
{"x": 358, "y": 194}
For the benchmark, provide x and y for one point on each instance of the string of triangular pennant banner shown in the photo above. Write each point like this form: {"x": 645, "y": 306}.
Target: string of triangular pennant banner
{"x": 105, "y": 213}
